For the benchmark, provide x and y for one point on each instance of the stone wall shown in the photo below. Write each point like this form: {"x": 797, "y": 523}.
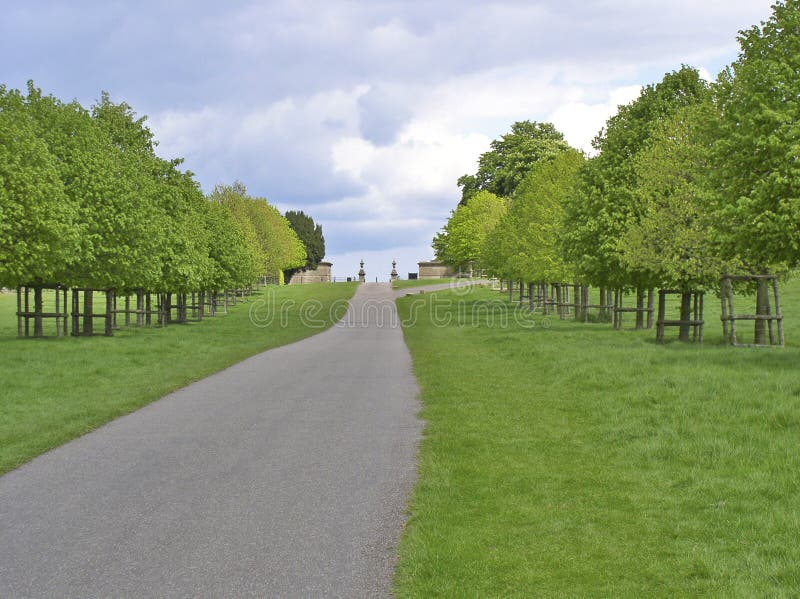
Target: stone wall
{"x": 322, "y": 274}
{"x": 435, "y": 270}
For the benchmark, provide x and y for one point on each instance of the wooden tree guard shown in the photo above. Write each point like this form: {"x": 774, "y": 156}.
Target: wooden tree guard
{"x": 562, "y": 299}
{"x": 210, "y": 307}
{"x": 141, "y": 312}
{"x": 642, "y": 314}
{"x": 730, "y": 318}
{"x": 222, "y": 302}
{"x": 83, "y": 322}
{"x": 582, "y": 304}
{"x": 695, "y": 301}
{"x": 38, "y": 315}
{"x": 185, "y": 304}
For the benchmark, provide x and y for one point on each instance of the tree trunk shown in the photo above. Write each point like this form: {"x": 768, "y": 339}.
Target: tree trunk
{"x": 167, "y": 308}
{"x": 762, "y": 308}
{"x": 559, "y": 302}
{"x": 545, "y": 306}
{"x": 686, "y": 316}
{"x": 38, "y": 328}
{"x": 88, "y": 321}
{"x": 111, "y": 303}
{"x": 639, "y": 308}
{"x": 650, "y": 308}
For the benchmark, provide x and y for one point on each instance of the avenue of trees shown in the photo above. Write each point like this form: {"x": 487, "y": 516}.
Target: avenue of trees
{"x": 86, "y": 203}
{"x": 689, "y": 182}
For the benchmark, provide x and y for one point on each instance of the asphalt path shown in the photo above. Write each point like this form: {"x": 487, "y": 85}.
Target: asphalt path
{"x": 284, "y": 475}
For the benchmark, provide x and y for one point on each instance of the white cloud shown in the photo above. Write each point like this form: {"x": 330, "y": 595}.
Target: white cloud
{"x": 581, "y": 121}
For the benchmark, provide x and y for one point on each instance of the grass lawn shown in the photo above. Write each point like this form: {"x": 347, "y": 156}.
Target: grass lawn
{"x": 576, "y": 460}
{"x": 404, "y": 284}
{"x": 52, "y": 390}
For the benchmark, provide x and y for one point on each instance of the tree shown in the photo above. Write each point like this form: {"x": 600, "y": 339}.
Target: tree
{"x": 756, "y": 157}
{"x": 235, "y": 264}
{"x": 502, "y": 169}
{"x": 265, "y": 231}
{"x": 605, "y": 202}
{"x": 186, "y": 260}
{"x": 310, "y": 234}
{"x": 38, "y": 232}
{"x": 757, "y": 161}
{"x": 114, "y": 207}
{"x": 537, "y": 216}
{"x": 674, "y": 234}
{"x": 462, "y": 240}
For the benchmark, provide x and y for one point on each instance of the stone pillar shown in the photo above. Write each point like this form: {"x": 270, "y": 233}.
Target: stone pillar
{"x": 362, "y": 276}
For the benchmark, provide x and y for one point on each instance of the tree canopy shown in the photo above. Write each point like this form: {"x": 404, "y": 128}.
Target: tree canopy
{"x": 757, "y": 153}
{"x": 39, "y": 234}
{"x": 86, "y": 202}
{"x": 605, "y": 203}
{"x": 502, "y": 169}
{"x": 462, "y": 240}
{"x": 525, "y": 244}
{"x": 674, "y": 235}
{"x": 311, "y": 236}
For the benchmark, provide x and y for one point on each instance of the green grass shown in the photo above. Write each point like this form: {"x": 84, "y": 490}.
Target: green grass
{"x": 52, "y": 390}
{"x": 404, "y": 284}
{"x": 578, "y": 461}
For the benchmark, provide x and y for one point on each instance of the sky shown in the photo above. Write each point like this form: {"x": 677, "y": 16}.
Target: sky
{"x": 362, "y": 114}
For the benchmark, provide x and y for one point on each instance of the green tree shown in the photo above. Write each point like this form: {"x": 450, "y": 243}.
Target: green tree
{"x": 311, "y": 236}
{"x": 266, "y": 232}
{"x": 186, "y": 260}
{"x": 756, "y": 162}
{"x": 537, "y": 216}
{"x": 502, "y": 169}
{"x": 113, "y": 211}
{"x": 38, "y": 231}
{"x": 605, "y": 202}
{"x": 234, "y": 263}
{"x": 674, "y": 236}
{"x": 462, "y": 241}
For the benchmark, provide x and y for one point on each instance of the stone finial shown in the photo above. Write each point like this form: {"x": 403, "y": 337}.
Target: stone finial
{"x": 362, "y": 276}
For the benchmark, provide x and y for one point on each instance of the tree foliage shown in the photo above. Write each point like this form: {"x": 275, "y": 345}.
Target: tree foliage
{"x": 86, "y": 202}
{"x": 311, "y": 236}
{"x": 757, "y": 154}
{"x": 525, "y": 244}
{"x": 275, "y": 247}
{"x": 462, "y": 240}
{"x": 674, "y": 235}
{"x": 605, "y": 203}
{"x": 39, "y": 235}
{"x": 502, "y": 169}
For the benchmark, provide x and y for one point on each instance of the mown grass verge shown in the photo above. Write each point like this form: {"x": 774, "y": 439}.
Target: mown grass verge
{"x": 580, "y": 461}
{"x": 52, "y": 390}
{"x": 405, "y": 283}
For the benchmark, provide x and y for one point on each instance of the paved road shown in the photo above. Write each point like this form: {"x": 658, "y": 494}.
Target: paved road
{"x": 284, "y": 475}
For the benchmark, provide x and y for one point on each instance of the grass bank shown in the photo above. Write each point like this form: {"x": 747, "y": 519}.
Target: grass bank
{"x": 576, "y": 460}
{"x": 52, "y": 390}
